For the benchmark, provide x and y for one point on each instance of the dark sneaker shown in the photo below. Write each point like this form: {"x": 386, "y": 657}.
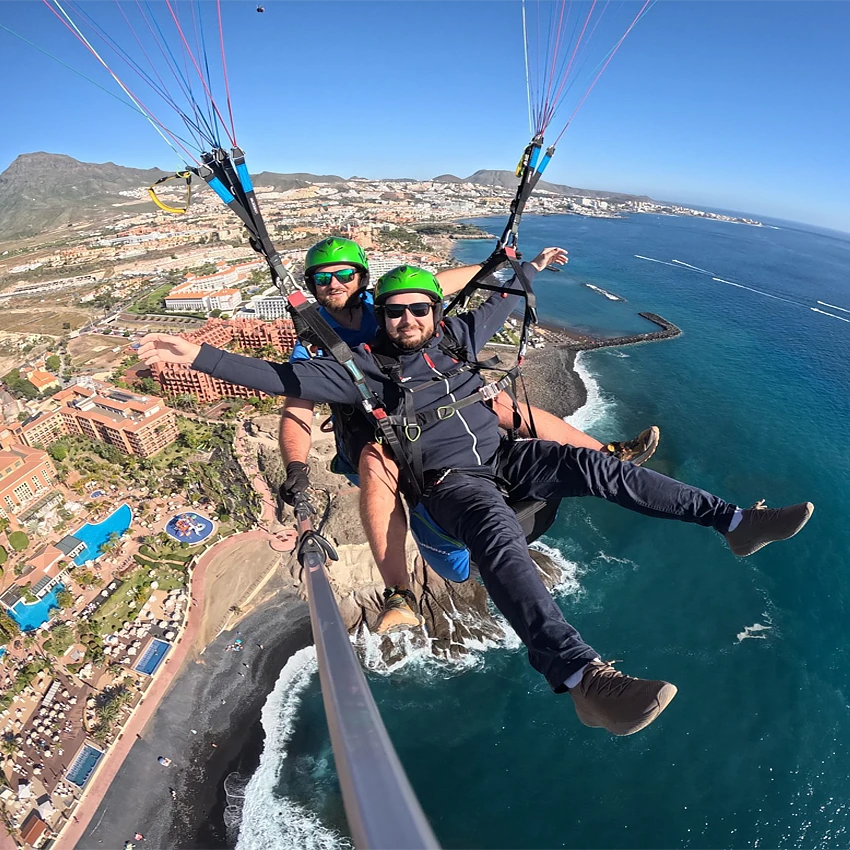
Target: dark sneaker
{"x": 761, "y": 525}
{"x": 639, "y": 450}
{"x": 400, "y": 612}
{"x": 608, "y": 699}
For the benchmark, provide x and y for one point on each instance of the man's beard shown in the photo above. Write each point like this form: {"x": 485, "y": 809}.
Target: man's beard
{"x": 409, "y": 343}
{"x": 339, "y": 302}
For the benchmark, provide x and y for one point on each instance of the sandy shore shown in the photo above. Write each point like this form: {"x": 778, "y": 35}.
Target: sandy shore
{"x": 220, "y": 696}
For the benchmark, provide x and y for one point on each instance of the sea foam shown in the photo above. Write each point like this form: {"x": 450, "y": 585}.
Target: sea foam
{"x": 267, "y": 821}
{"x": 598, "y": 406}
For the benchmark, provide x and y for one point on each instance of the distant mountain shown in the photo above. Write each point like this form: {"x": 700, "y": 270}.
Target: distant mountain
{"x": 448, "y": 178}
{"x": 509, "y": 180}
{"x": 283, "y": 182}
{"x": 39, "y": 191}
{"x": 42, "y": 191}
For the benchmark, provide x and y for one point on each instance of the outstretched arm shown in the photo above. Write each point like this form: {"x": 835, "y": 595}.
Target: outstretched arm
{"x": 320, "y": 379}
{"x": 453, "y": 280}
{"x": 492, "y": 314}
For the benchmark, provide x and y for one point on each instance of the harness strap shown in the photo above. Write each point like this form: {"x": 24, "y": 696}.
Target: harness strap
{"x": 330, "y": 342}
{"x": 488, "y": 392}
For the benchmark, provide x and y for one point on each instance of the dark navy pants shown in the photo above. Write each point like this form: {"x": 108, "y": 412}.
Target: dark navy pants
{"x": 473, "y": 510}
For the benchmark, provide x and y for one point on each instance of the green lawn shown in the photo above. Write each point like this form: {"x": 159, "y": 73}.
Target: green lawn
{"x": 117, "y": 608}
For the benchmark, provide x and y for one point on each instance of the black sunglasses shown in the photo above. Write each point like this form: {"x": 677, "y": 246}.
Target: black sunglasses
{"x": 420, "y": 309}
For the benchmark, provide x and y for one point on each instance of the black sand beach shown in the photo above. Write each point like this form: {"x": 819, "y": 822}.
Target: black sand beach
{"x": 223, "y": 707}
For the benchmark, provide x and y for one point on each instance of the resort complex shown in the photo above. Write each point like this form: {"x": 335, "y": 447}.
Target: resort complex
{"x": 97, "y": 564}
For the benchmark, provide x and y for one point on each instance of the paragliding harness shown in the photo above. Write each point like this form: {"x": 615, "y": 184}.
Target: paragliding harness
{"x": 400, "y": 431}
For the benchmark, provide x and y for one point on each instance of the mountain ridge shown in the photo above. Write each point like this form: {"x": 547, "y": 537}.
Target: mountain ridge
{"x": 42, "y": 191}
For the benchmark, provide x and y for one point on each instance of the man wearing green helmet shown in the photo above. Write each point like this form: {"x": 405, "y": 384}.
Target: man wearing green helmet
{"x": 438, "y": 412}
{"x": 336, "y": 272}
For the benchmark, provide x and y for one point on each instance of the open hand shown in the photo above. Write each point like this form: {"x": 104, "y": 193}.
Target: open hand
{"x": 549, "y": 257}
{"x": 165, "y": 348}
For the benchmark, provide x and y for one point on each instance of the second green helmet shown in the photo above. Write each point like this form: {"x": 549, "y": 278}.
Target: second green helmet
{"x": 335, "y": 249}
{"x": 408, "y": 279}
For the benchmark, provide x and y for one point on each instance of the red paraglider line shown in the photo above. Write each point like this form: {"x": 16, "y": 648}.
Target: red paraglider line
{"x": 552, "y": 69}
{"x": 224, "y": 68}
{"x": 602, "y": 69}
{"x": 150, "y": 116}
{"x": 203, "y": 81}
{"x": 572, "y": 59}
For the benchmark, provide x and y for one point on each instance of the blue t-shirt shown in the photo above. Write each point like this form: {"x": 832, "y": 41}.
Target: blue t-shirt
{"x": 365, "y": 333}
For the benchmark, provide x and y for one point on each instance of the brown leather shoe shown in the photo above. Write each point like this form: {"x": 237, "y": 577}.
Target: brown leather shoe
{"x": 608, "y": 699}
{"x": 400, "y": 612}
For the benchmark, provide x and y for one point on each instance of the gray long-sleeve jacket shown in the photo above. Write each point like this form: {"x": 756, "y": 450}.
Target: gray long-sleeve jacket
{"x": 469, "y": 438}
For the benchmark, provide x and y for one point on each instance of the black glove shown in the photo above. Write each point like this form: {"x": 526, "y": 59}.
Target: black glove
{"x": 297, "y": 482}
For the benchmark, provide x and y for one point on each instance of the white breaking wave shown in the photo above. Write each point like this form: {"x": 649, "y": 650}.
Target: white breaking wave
{"x": 568, "y": 582}
{"x": 824, "y": 313}
{"x": 598, "y": 405}
{"x": 695, "y": 268}
{"x": 270, "y": 822}
{"x": 834, "y": 307}
{"x": 609, "y": 295}
{"x": 753, "y": 632}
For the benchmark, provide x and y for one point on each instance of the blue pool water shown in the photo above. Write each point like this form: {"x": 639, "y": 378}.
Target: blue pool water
{"x": 84, "y": 764}
{"x": 31, "y": 616}
{"x": 189, "y": 527}
{"x": 152, "y": 656}
{"x": 94, "y": 536}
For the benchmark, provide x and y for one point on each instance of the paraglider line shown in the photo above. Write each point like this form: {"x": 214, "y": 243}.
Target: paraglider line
{"x": 194, "y": 62}
{"x": 224, "y": 69}
{"x": 157, "y": 125}
{"x": 164, "y": 91}
{"x": 171, "y": 61}
{"x": 122, "y": 54}
{"x": 527, "y": 80}
{"x": 172, "y": 65}
{"x": 645, "y": 6}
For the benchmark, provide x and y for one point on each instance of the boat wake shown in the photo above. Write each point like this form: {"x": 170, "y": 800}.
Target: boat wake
{"x": 653, "y": 260}
{"x": 609, "y": 295}
{"x": 693, "y": 268}
{"x": 833, "y": 307}
{"x": 824, "y": 313}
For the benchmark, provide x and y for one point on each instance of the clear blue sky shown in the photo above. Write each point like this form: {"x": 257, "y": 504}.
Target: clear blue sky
{"x": 739, "y": 105}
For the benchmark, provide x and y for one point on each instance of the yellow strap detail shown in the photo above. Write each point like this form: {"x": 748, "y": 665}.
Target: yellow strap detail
{"x": 180, "y": 175}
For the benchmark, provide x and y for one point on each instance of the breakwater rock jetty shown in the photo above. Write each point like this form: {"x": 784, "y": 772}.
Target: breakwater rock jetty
{"x": 575, "y": 341}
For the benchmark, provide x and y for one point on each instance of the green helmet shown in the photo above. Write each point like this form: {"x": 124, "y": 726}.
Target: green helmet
{"x": 408, "y": 279}
{"x": 335, "y": 249}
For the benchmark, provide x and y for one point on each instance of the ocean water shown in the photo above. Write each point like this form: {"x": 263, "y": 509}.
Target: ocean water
{"x": 755, "y": 750}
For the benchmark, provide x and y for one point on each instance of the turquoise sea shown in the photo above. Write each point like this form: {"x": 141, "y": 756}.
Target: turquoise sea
{"x": 755, "y": 750}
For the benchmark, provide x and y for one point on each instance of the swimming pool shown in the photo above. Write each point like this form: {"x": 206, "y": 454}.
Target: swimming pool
{"x": 31, "y": 616}
{"x": 189, "y": 527}
{"x": 95, "y": 535}
{"x": 83, "y": 765}
{"x": 152, "y": 656}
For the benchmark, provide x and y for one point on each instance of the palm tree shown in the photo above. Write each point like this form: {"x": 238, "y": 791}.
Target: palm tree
{"x": 9, "y": 743}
